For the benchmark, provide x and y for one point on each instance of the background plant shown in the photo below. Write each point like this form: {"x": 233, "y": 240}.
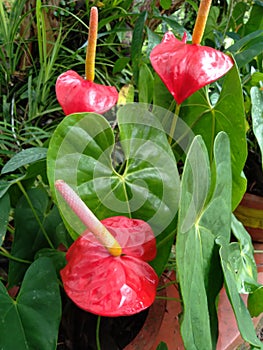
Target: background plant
{"x": 31, "y": 228}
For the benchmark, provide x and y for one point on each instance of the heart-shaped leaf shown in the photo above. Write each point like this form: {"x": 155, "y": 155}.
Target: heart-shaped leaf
{"x": 186, "y": 68}
{"x": 32, "y": 320}
{"x": 77, "y": 95}
{"x": 136, "y": 177}
{"x": 112, "y": 285}
{"x": 227, "y": 115}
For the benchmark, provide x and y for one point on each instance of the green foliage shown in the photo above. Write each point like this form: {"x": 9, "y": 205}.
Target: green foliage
{"x": 127, "y": 161}
{"x": 196, "y": 243}
{"x": 208, "y": 119}
{"x": 137, "y": 177}
{"x": 4, "y": 216}
{"x": 257, "y": 115}
{"x": 35, "y": 314}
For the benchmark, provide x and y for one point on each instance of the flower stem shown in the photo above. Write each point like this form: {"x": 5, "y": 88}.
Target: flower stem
{"x": 173, "y": 125}
{"x": 91, "y": 47}
{"x": 98, "y": 333}
{"x": 200, "y": 22}
{"x": 88, "y": 218}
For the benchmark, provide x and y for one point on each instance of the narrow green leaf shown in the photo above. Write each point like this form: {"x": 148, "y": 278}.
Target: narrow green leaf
{"x": 4, "y": 216}
{"x": 136, "y": 45}
{"x": 204, "y": 217}
{"x": 24, "y": 157}
{"x": 32, "y": 320}
{"x": 247, "y": 48}
{"x": 145, "y": 85}
{"x": 257, "y": 115}
{"x": 120, "y": 64}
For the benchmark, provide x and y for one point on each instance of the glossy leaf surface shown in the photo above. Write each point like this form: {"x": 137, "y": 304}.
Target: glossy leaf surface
{"x": 257, "y": 115}
{"x": 186, "y": 68}
{"x": 228, "y": 115}
{"x": 32, "y": 320}
{"x": 77, "y": 95}
{"x": 108, "y": 285}
{"x": 29, "y": 233}
{"x": 204, "y": 215}
{"x": 136, "y": 177}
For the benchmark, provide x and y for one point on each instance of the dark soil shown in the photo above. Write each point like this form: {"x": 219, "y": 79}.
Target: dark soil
{"x": 254, "y": 174}
{"x": 78, "y": 329}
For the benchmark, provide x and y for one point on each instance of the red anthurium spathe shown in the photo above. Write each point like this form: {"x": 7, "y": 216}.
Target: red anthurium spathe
{"x": 107, "y": 271}
{"x": 112, "y": 285}
{"x": 76, "y": 94}
{"x": 186, "y": 68}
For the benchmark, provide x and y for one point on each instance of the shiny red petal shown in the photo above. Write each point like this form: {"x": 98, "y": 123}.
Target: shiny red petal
{"x": 135, "y": 236}
{"x": 106, "y": 285}
{"x": 186, "y": 68}
{"x": 76, "y": 94}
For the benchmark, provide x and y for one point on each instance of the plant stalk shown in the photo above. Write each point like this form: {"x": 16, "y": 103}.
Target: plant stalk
{"x": 91, "y": 46}
{"x": 88, "y": 218}
{"x": 200, "y": 22}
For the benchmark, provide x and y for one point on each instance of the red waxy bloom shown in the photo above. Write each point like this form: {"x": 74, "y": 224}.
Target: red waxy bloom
{"x": 109, "y": 285}
{"x": 186, "y": 68}
{"x": 76, "y": 94}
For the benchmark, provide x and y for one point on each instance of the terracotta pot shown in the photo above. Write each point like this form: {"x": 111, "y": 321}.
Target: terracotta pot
{"x": 161, "y": 325}
{"x": 250, "y": 213}
{"x": 147, "y": 335}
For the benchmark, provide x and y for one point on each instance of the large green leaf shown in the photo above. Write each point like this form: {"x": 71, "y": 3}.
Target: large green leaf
{"x": 257, "y": 115}
{"x": 136, "y": 177}
{"x": 226, "y": 115}
{"x": 204, "y": 215}
{"x": 245, "y": 324}
{"x": 32, "y": 320}
{"x": 35, "y": 228}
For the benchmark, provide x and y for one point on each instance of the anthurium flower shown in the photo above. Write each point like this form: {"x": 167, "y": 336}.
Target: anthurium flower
{"x": 185, "y": 68}
{"x": 76, "y": 94}
{"x": 108, "y": 285}
{"x": 107, "y": 271}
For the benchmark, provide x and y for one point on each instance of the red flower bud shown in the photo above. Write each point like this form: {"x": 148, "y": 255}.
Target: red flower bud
{"x": 186, "y": 68}
{"x": 109, "y": 285}
{"x": 77, "y": 95}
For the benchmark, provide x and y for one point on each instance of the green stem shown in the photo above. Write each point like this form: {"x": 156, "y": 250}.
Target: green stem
{"x": 174, "y": 122}
{"x": 5, "y": 253}
{"x": 35, "y": 214}
{"x": 98, "y": 333}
